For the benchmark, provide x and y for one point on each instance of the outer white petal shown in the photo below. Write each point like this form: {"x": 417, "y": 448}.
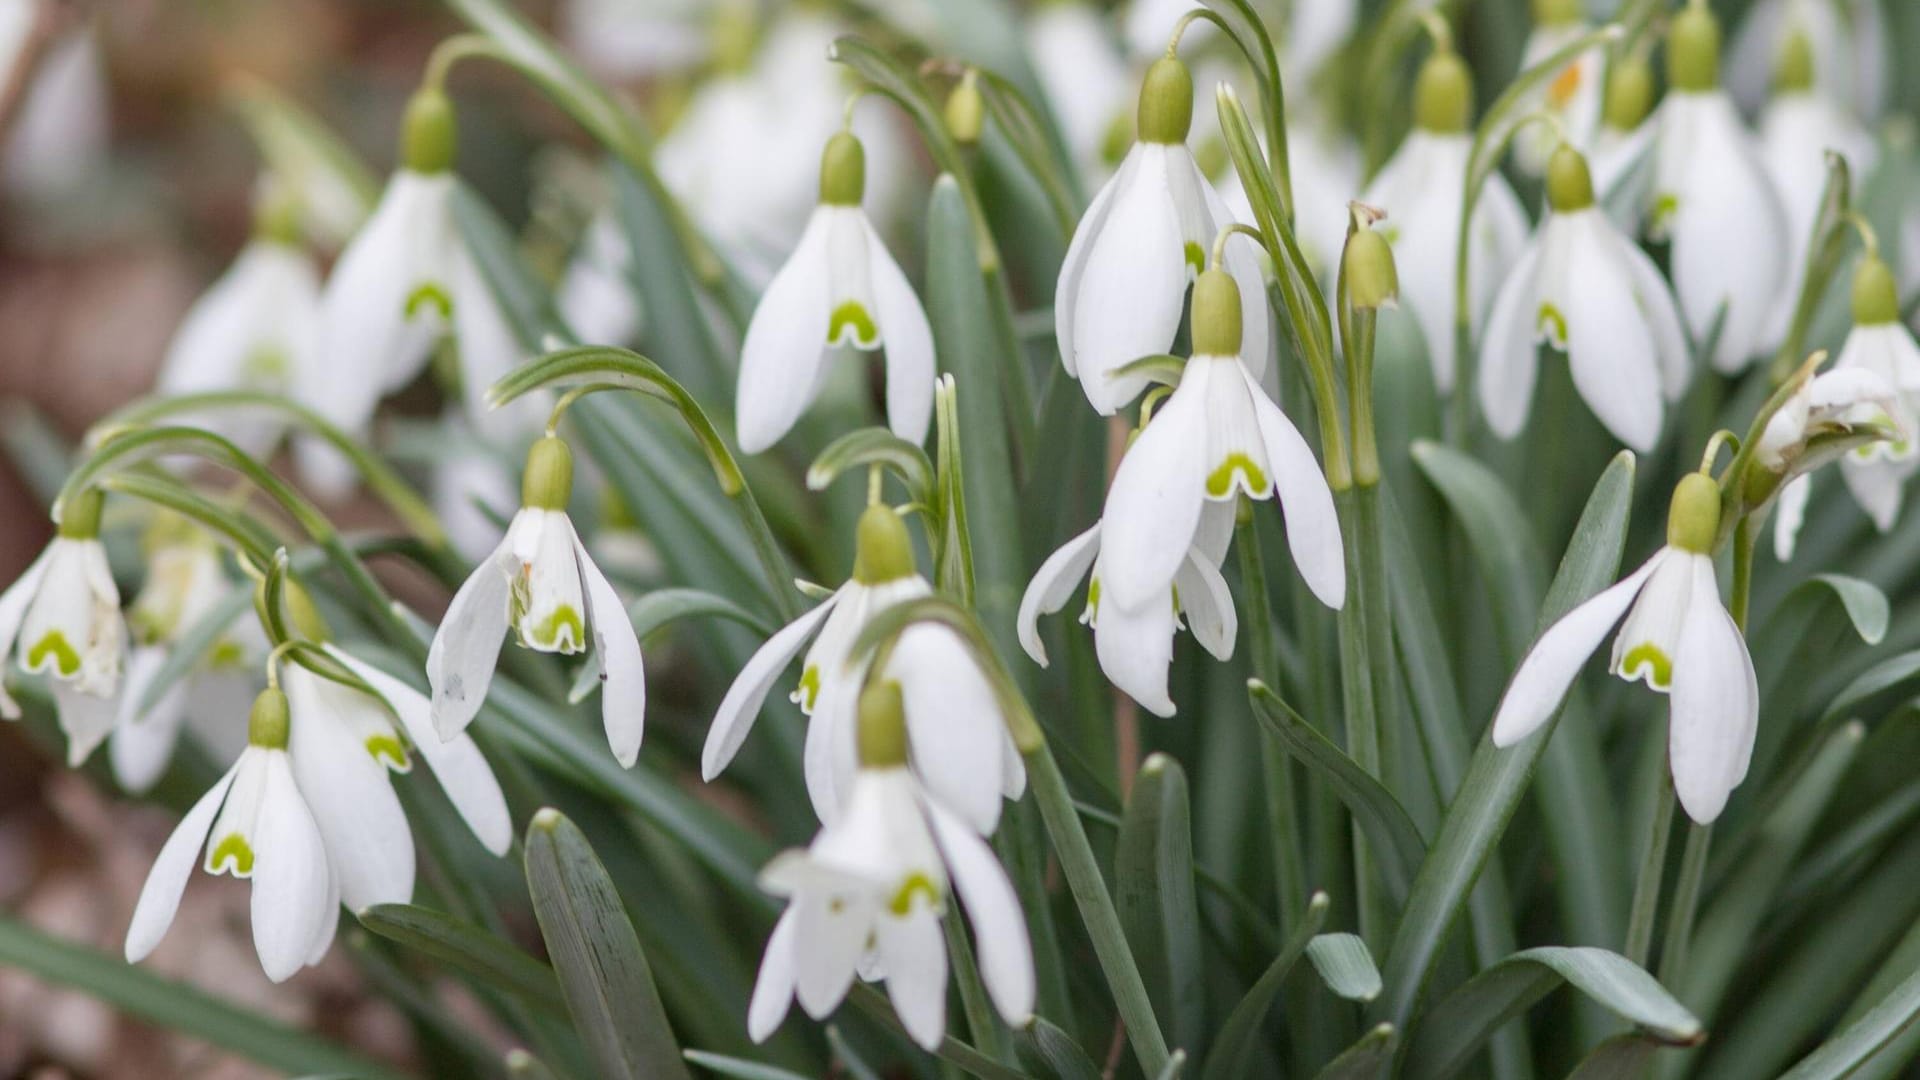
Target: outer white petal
{"x": 773, "y": 990}
{"x": 1509, "y": 350}
{"x": 1789, "y": 513}
{"x": 1208, "y": 605}
{"x": 349, "y": 793}
{"x": 1877, "y": 486}
{"x": 954, "y": 725}
{"x": 1649, "y": 638}
{"x": 1662, "y": 313}
{"x": 830, "y": 935}
{"x": 290, "y": 883}
{"x": 741, "y": 706}
{"x": 466, "y": 647}
{"x": 1610, "y": 346}
{"x": 623, "y": 698}
{"x": 160, "y": 896}
{"x": 1066, "y": 290}
{"x": 13, "y": 610}
{"x": 489, "y": 349}
{"x": 786, "y": 344}
{"x": 1549, "y": 668}
{"x": 1132, "y": 289}
{"x": 142, "y": 745}
{"x": 87, "y": 719}
{"x": 1052, "y": 585}
{"x": 915, "y": 957}
{"x": 908, "y": 341}
{"x": 1313, "y": 527}
{"x": 1715, "y": 703}
{"x": 457, "y": 763}
{"x": 1135, "y": 649}
{"x": 999, "y": 925}
{"x": 1153, "y": 506}
{"x": 1243, "y": 262}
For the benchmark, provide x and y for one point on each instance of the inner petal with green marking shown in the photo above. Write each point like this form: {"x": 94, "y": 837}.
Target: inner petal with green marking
{"x": 1196, "y": 258}
{"x": 66, "y": 660}
{"x": 1550, "y": 320}
{"x": 902, "y": 902}
{"x": 561, "y": 631}
{"x": 1220, "y": 480}
{"x": 232, "y": 855}
{"x": 429, "y": 293}
{"x": 1649, "y": 663}
{"x": 851, "y": 324}
{"x": 388, "y": 751}
{"x": 808, "y": 691}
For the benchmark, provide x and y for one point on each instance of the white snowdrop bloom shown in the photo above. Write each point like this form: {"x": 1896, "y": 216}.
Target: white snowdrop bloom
{"x": 1123, "y": 285}
{"x": 1217, "y": 437}
{"x": 595, "y": 297}
{"x": 1876, "y": 474}
{"x": 1678, "y": 639}
{"x": 867, "y": 896}
{"x": 839, "y": 288}
{"x": 541, "y": 583}
{"x": 60, "y": 136}
{"x": 1849, "y": 39}
{"x": 1313, "y": 33}
{"x": 63, "y": 614}
{"x": 637, "y": 39}
{"x": 1713, "y": 200}
{"x": 1572, "y": 96}
{"x": 1797, "y": 128}
{"x": 254, "y": 823}
{"x": 1622, "y": 145}
{"x": 1086, "y": 80}
{"x": 406, "y": 281}
{"x": 1422, "y": 188}
{"x": 1135, "y": 648}
{"x": 1825, "y": 416}
{"x": 1585, "y": 288}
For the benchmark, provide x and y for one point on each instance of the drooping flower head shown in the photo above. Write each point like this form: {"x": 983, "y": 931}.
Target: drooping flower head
{"x": 839, "y": 289}
{"x": 1572, "y": 96}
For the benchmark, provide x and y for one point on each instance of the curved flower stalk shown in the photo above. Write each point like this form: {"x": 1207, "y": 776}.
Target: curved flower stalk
{"x": 254, "y": 823}
{"x": 1678, "y": 639}
{"x": 1585, "y": 288}
{"x": 63, "y": 614}
{"x": 1122, "y": 289}
{"x": 1572, "y": 97}
{"x": 1217, "y": 437}
{"x": 541, "y": 583}
{"x": 1085, "y": 78}
{"x": 1714, "y": 202}
{"x": 840, "y": 288}
{"x": 867, "y": 896}
{"x": 1848, "y": 39}
{"x": 1422, "y": 188}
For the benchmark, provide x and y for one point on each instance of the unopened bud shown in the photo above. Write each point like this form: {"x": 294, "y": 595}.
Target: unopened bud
{"x": 1166, "y": 102}
{"x": 1693, "y": 519}
{"x": 1793, "y": 72}
{"x": 547, "y": 483}
{"x": 1373, "y": 282}
{"x": 80, "y": 517}
{"x": 883, "y": 726}
{"x": 1629, "y": 96}
{"x": 1569, "y": 181}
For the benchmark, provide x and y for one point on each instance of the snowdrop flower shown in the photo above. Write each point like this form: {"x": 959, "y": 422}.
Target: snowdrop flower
{"x": 60, "y": 137}
{"x": 1877, "y": 472}
{"x": 1572, "y": 97}
{"x": 1219, "y": 436}
{"x": 1123, "y": 285}
{"x": 1135, "y": 648}
{"x": 64, "y": 614}
{"x": 635, "y": 39}
{"x": 1622, "y": 145}
{"x": 867, "y": 896}
{"x": 254, "y": 329}
{"x": 263, "y": 831}
{"x": 1084, "y": 76}
{"x": 840, "y": 288}
{"x": 541, "y": 583}
{"x": 1854, "y": 410}
{"x": 1797, "y": 128}
{"x": 1825, "y": 416}
{"x": 1585, "y": 288}
{"x": 1678, "y": 639}
{"x": 1421, "y": 188}
{"x": 1713, "y": 200}
{"x": 596, "y": 298}
{"x": 404, "y": 282}
{"x": 1849, "y": 43}
{"x": 1314, "y": 33}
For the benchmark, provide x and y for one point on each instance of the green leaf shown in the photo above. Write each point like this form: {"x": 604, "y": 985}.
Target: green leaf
{"x": 738, "y": 1069}
{"x": 1371, "y": 1057}
{"x": 1028, "y": 136}
{"x": 608, "y": 985}
{"x": 1051, "y": 1054}
{"x": 1449, "y": 1034}
{"x": 1233, "y": 1050}
{"x": 1623, "y": 1057}
{"x": 869, "y": 447}
{"x": 176, "y": 1006}
{"x": 1345, "y": 966}
{"x": 1153, "y": 889}
{"x": 662, "y": 607}
{"x": 1496, "y": 779}
{"x": 1839, "y": 1056}
{"x": 469, "y": 949}
{"x": 1386, "y": 824}
{"x": 961, "y": 1055}
{"x": 1176, "y": 1064}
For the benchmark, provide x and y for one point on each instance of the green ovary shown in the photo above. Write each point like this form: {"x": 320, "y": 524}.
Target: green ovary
{"x": 808, "y": 691}
{"x": 232, "y": 854}
{"x": 1220, "y": 480}
{"x": 561, "y": 631}
{"x": 853, "y": 314}
{"x": 902, "y": 902}
{"x": 388, "y": 751}
{"x": 1648, "y": 656}
{"x": 66, "y": 661}
{"x": 1551, "y": 315}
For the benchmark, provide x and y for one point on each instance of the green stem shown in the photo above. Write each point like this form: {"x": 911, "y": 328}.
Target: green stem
{"x": 973, "y": 993}
{"x": 1283, "y": 827}
{"x": 1090, "y": 895}
{"x": 1358, "y": 517}
{"x": 1653, "y": 868}
{"x": 1686, "y": 904}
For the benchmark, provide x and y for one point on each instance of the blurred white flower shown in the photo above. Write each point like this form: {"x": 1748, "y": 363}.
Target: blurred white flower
{"x": 636, "y": 39}
{"x": 1572, "y": 96}
{"x": 1086, "y": 79}
{"x": 596, "y": 298}
{"x": 1852, "y": 64}
{"x": 60, "y": 135}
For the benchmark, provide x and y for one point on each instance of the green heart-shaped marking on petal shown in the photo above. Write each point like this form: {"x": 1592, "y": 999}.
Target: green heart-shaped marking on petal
{"x": 1645, "y": 660}
{"x": 852, "y": 314}
{"x": 1220, "y": 480}
{"x": 902, "y": 902}
{"x": 563, "y": 631}
{"x": 389, "y": 751}
{"x": 66, "y": 662}
{"x": 1551, "y": 315}
{"x": 232, "y": 855}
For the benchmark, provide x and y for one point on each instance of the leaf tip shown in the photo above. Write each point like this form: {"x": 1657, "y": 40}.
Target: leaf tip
{"x": 546, "y": 819}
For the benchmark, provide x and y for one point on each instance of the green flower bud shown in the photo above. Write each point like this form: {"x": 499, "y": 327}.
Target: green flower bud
{"x": 882, "y": 550}
{"x": 883, "y": 726}
{"x": 1693, "y": 50}
{"x": 1569, "y": 182}
{"x": 269, "y": 721}
{"x": 1443, "y": 94}
{"x": 843, "y": 171}
{"x": 1216, "y": 314}
{"x": 965, "y": 111}
{"x": 80, "y": 518}
{"x": 1166, "y": 102}
{"x": 1793, "y": 70}
{"x": 1373, "y": 282}
{"x": 429, "y": 136}
{"x": 1876, "y": 296}
{"x": 1629, "y": 96}
{"x": 1693, "y": 519}
{"x": 547, "y": 483}
{"x": 1556, "y": 12}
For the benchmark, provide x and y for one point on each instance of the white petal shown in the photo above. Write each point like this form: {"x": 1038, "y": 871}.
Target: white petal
{"x": 142, "y": 745}
{"x": 915, "y": 957}
{"x": 623, "y": 700}
{"x": 1610, "y": 346}
{"x": 466, "y": 647}
{"x": 1313, "y": 528}
{"x": 830, "y": 934}
{"x": 1208, "y": 606}
{"x": 1550, "y": 666}
{"x": 348, "y": 792}
{"x": 1877, "y": 486}
{"x": 1509, "y": 356}
{"x": 1716, "y": 704}
{"x": 13, "y": 609}
{"x": 829, "y": 756}
{"x": 290, "y": 885}
{"x": 773, "y": 990}
{"x": 786, "y": 344}
{"x": 999, "y": 925}
{"x": 1649, "y": 639}
{"x": 160, "y": 896}
{"x": 457, "y": 763}
{"x": 1133, "y": 287}
{"x": 1135, "y": 649}
{"x": 1153, "y": 506}
{"x": 1067, "y": 287}
{"x": 954, "y": 726}
{"x": 489, "y": 349}
{"x": 908, "y": 341}
{"x": 741, "y": 706}
{"x": 1790, "y": 511}
{"x": 87, "y": 719}
{"x": 1051, "y": 587}
{"x": 1243, "y": 262}
{"x": 1662, "y": 313}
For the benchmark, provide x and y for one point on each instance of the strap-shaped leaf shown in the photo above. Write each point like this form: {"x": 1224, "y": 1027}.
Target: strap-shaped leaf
{"x": 1366, "y": 1059}
{"x": 1345, "y": 965}
{"x": 1153, "y": 889}
{"x": 661, "y": 607}
{"x": 1051, "y": 1054}
{"x": 738, "y": 1069}
{"x": 608, "y": 985}
{"x": 1623, "y": 1057}
{"x": 1233, "y": 1050}
{"x": 468, "y": 948}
